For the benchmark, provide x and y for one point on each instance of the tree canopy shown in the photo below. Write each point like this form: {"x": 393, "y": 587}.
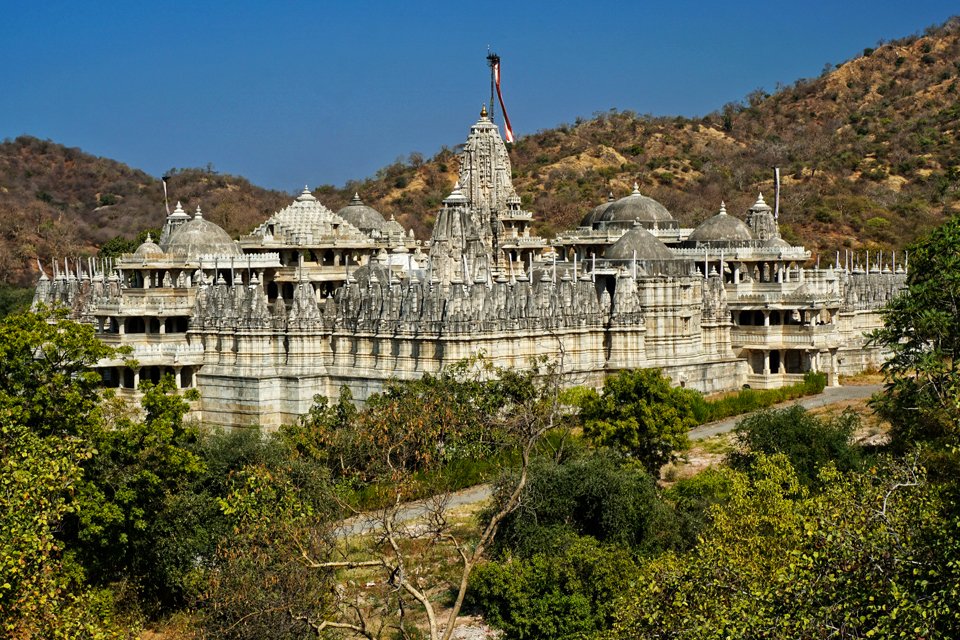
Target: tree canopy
{"x": 641, "y": 415}
{"x": 922, "y": 331}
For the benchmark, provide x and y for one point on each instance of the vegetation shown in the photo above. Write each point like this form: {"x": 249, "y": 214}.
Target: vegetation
{"x": 874, "y": 555}
{"x": 641, "y": 415}
{"x": 810, "y": 443}
{"x": 922, "y": 329}
{"x": 747, "y": 400}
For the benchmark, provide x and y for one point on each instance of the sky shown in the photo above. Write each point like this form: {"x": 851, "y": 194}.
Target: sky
{"x": 290, "y": 93}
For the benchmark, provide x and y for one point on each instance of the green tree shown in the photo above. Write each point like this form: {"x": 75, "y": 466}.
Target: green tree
{"x": 404, "y": 441}
{"x": 641, "y": 415}
{"x": 808, "y": 441}
{"x": 39, "y": 596}
{"x": 922, "y": 332}
{"x": 567, "y": 592}
{"x": 875, "y": 554}
{"x": 46, "y": 379}
{"x": 48, "y": 405}
{"x": 590, "y": 496}
{"x": 139, "y": 514}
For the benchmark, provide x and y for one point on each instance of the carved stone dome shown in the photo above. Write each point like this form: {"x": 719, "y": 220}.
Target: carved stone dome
{"x": 148, "y": 249}
{"x": 362, "y": 216}
{"x": 393, "y": 228}
{"x": 201, "y": 237}
{"x": 596, "y": 213}
{"x": 721, "y": 228}
{"x": 636, "y": 207}
{"x": 640, "y": 243}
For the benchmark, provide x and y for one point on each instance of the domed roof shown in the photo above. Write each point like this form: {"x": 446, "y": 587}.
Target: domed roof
{"x": 636, "y": 207}
{"x": 201, "y": 237}
{"x": 721, "y": 228}
{"x": 393, "y": 228}
{"x": 640, "y": 243}
{"x": 148, "y": 248}
{"x": 779, "y": 243}
{"x": 361, "y": 216}
{"x": 595, "y": 214}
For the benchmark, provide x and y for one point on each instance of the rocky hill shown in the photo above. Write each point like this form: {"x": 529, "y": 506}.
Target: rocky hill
{"x": 60, "y": 201}
{"x": 869, "y": 154}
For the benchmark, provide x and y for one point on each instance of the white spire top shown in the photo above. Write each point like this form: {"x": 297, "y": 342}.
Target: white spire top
{"x": 456, "y": 196}
{"x": 305, "y": 195}
{"x": 636, "y": 189}
{"x": 178, "y": 212}
{"x": 723, "y": 208}
{"x": 199, "y": 214}
{"x": 149, "y": 237}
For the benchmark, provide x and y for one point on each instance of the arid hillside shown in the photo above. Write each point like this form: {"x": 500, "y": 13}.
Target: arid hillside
{"x": 869, "y": 154}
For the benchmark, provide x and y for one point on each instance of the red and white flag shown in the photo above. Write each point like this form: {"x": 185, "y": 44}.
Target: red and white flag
{"x": 507, "y": 129}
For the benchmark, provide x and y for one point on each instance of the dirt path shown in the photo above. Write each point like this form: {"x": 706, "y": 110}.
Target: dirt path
{"x": 370, "y": 522}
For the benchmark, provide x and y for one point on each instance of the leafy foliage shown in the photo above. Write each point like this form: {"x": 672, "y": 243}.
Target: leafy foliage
{"x": 922, "y": 330}
{"x": 568, "y": 592}
{"x": 138, "y": 515}
{"x": 46, "y": 383}
{"x": 810, "y": 443}
{"x": 280, "y": 512}
{"x": 641, "y": 415}
{"x": 876, "y": 554}
{"x": 591, "y": 496}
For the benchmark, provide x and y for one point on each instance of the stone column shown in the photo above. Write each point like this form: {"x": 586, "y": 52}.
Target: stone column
{"x": 783, "y": 361}
{"x": 176, "y": 375}
{"x": 766, "y": 318}
{"x": 136, "y": 377}
{"x": 766, "y": 362}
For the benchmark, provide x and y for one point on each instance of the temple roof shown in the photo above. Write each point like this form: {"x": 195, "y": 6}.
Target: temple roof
{"x": 200, "y": 237}
{"x": 636, "y": 207}
{"x": 640, "y": 244}
{"x": 306, "y": 222}
{"x": 722, "y": 228}
{"x": 362, "y": 216}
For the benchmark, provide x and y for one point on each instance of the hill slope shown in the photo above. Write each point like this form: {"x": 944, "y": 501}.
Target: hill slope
{"x": 869, "y": 153}
{"x": 59, "y": 201}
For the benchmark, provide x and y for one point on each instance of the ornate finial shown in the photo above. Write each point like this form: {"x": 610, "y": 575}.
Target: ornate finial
{"x": 483, "y": 111}
{"x": 356, "y": 198}
{"x": 636, "y": 189}
{"x": 199, "y": 214}
{"x": 149, "y": 237}
{"x": 610, "y": 196}
{"x": 723, "y": 208}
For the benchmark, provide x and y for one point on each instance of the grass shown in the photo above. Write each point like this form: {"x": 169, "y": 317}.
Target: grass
{"x": 747, "y": 400}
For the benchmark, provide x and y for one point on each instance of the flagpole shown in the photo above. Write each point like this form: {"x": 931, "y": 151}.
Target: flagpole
{"x": 492, "y": 59}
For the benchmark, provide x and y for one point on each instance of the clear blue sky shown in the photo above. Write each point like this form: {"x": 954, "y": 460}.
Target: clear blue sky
{"x": 291, "y": 93}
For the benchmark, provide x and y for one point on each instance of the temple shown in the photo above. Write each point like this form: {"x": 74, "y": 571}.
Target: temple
{"x": 312, "y": 301}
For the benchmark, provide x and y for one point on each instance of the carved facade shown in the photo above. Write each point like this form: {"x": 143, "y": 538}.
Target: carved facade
{"x": 312, "y": 300}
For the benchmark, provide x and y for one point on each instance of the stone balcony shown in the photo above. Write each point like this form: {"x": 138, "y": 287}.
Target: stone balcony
{"x": 790, "y": 336}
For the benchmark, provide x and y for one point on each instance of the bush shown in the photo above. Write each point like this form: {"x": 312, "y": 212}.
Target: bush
{"x": 747, "y": 400}
{"x": 568, "y": 594}
{"x": 593, "y": 496}
{"x": 809, "y": 442}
